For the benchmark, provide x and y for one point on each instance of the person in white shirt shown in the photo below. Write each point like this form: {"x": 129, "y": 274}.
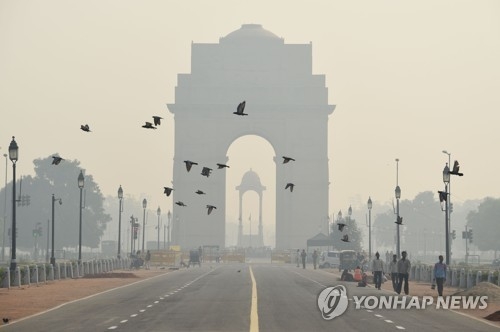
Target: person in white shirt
{"x": 393, "y": 268}
{"x": 377, "y": 270}
{"x": 403, "y": 272}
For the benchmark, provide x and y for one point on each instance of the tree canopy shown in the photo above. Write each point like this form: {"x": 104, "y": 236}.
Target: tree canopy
{"x": 62, "y": 181}
{"x": 484, "y": 223}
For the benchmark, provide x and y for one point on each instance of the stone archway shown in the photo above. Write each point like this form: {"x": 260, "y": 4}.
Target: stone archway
{"x": 286, "y": 104}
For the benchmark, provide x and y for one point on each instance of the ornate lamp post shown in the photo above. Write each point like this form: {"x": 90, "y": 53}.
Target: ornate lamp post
{"x": 120, "y": 198}
{"x": 370, "y": 228}
{"x": 4, "y": 211}
{"x": 81, "y": 183}
{"x": 13, "y": 156}
{"x": 158, "y": 212}
{"x": 446, "y": 180}
{"x": 53, "y": 258}
{"x": 144, "y": 205}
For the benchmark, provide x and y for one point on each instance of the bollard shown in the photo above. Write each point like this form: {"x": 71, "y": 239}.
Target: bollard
{"x": 35, "y": 272}
{"x": 71, "y": 271}
{"x": 77, "y": 272}
{"x": 27, "y": 276}
{"x": 479, "y": 277}
{"x": 448, "y": 277}
{"x": 454, "y": 279}
{"x": 6, "y": 280}
{"x": 469, "y": 279}
{"x": 44, "y": 273}
{"x": 63, "y": 271}
{"x": 417, "y": 273}
{"x": 51, "y": 272}
{"x": 58, "y": 271}
{"x": 490, "y": 277}
{"x": 462, "y": 279}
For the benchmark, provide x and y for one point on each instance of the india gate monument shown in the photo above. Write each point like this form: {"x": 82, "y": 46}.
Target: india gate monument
{"x": 286, "y": 105}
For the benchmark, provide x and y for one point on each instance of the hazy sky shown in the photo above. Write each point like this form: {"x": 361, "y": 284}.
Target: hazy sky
{"x": 408, "y": 78}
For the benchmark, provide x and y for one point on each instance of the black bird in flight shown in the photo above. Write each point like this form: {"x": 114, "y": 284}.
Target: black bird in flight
{"x": 180, "y": 203}
{"x": 219, "y": 166}
{"x": 210, "y": 208}
{"x": 443, "y": 196}
{"x": 199, "y": 192}
{"x": 206, "y": 171}
{"x": 290, "y": 185}
{"x": 167, "y": 190}
{"x": 148, "y": 125}
{"x": 345, "y": 238}
{"x": 399, "y": 220}
{"x": 341, "y": 226}
{"x": 189, "y": 164}
{"x": 56, "y": 160}
{"x": 240, "y": 109}
{"x": 287, "y": 159}
{"x": 5, "y": 320}
{"x": 157, "y": 120}
{"x": 85, "y": 128}
{"x": 456, "y": 169}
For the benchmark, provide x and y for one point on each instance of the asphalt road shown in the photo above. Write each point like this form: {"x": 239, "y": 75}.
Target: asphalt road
{"x": 223, "y": 298}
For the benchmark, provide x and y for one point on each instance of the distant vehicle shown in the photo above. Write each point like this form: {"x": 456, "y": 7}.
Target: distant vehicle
{"x": 329, "y": 259}
{"x": 348, "y": 260}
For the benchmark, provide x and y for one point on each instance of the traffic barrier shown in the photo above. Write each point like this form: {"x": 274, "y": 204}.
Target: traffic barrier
{"x": 26, "y": 279}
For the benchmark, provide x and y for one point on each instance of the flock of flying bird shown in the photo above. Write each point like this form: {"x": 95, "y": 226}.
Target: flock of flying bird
{"x": 206, "y": 171}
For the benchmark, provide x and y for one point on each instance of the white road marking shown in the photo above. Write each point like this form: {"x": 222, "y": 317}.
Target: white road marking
{"x": 389, "y": 321}
{"x": 369, "y": 310}
{"x": 142, "y": 310}
{"x": 254, "y": 315}
{"x": 124, "y": 321}
{"x": 379, "y": 316}
{"x": 112, "y": 327}
{"x": 156, "y": 302}
{"x": 149, "y": 306}
{"x": 400, "y": 327}
{"x": 133, "y": 315}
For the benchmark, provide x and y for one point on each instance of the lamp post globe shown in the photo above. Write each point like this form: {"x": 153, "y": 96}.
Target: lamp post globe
{"x": 144, "y": 205}
{"x": 120, "y": 198}
{"x": 81, "y": 183}
{"x": 13, "y": 156}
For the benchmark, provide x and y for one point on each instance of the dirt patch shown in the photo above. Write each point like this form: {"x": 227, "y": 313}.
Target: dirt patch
{"x": 483, "y": 289}
{"x": 494, "y": 316}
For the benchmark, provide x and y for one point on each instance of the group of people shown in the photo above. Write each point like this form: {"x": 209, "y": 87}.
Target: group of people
{"x": 302, "y": 256}
{"x": 400, "y": 272}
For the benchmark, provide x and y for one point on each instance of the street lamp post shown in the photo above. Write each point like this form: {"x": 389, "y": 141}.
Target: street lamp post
{"x": 13, "y": 156}
{"x": 158, "y": 212}
{"x": 169, "y": 216}
{"x": 398, "y": 196}
{"x": 53, "y": 258}
{"x": 144, "y": 204}
{"x": 81, "y": 183}
{"x": 446, "y": 180}
{"x": 132, "y": 235}
{"x": 120, "y": 198}
{"x": 4, "y": 211}
{"x": 370, "y": 228}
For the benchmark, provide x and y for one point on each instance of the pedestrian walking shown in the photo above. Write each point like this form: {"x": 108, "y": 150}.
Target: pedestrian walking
{"x": 377, "y": 270}
{"x": 404, "y": 266}
{"x": 315, "y": 258}
{"x": 303, "y": 254}
{"x": 440, "y": 275}
{"x": 393, "y": 269}
{"x": 297, "y": 259}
